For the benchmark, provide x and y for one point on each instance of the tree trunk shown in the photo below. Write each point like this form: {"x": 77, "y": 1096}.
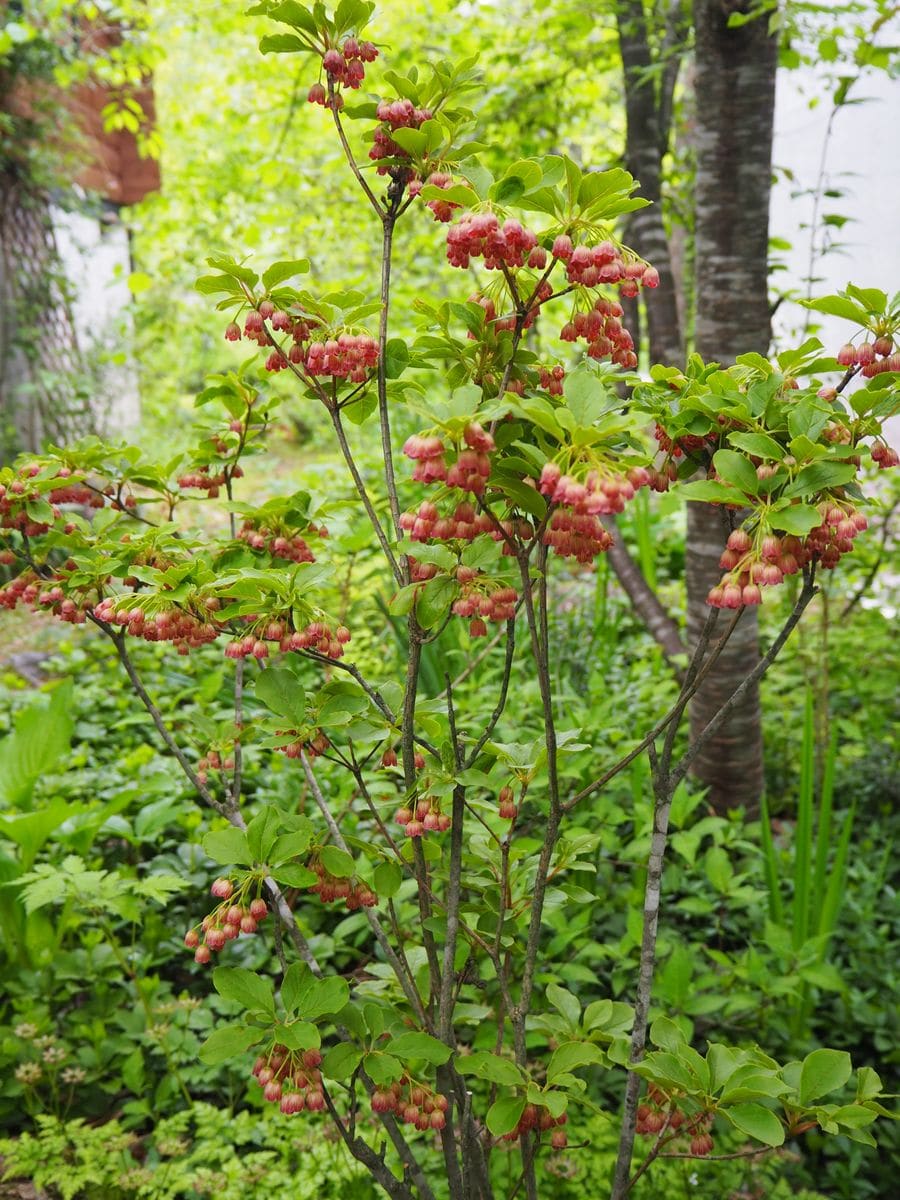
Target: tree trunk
{"x": 735, "y": 99}
{"x": 646, "y": 140}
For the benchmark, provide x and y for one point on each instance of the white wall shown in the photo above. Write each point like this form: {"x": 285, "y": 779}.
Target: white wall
{"x": 863, "y": 157}
{"x": 95, "y": 258}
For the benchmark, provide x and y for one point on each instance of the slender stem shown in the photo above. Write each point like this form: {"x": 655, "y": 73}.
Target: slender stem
{"x": 375, "y": 925}
{"x": 408, "y": 753}
{"x": 237, "y": 775}
{"x": 665, "y": 782}
{"x": 538, "y": 629}
{"x": 348, "y": 153}
{"x": 454, "y": 887}
{"x": 231, "y": 813}
{"x": 806, "y": 594}
{"x": 363, "y": 494}
{"x": 363, "y": 1153}
{"x": 389, "y": 220}
{"x": 504, "y": 690}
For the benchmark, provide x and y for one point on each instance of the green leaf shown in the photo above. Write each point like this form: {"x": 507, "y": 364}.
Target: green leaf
{"x": 667, "y": 1034}
{"x": 586, "y": 397}
{"x": 304, "y": 994}
{"x": 294, "y": 875}
{"x": 291, "y": 845}
{"x": 247, "y": 988}
{"x": 387, "y": 878}
{"x": 262, "y": 833}
{"x": 419, "y": 1046}
{"x": 283, "y": 693}
{"x": 139, "y": 281}
{"x": 457, "y": 194}
{"x": 411, "y": 140}
{"x": 227, "y": 1042}
{"x": 280, "y": 271}
{"x": 735, "y": 469}
{"x": 341, "y": 1061}
{"x": 571, "y": 1055}
{"x": 710, "y": 491}
{"x": 337, "y": 862}
{"x": 383, "y": 1068}
{"x": 435, "y": 599}
{"x": 760, "y": 445}
{"x": 503, "y": 1115}
{"x": 756, "y": 1121}
{"x": 820, "y": 476}
{"x": 565, "y": 1003}
{"x": 872, "y": 299}
{"x": 289, "y": 12}
{"x": 491, "y": 1068}
{"x": 228, "y": 846}
{"x": 838, "y": 306}
{"x": 798, "y": 519}
{"x": 280, "y": 43}
{"x": 822, "y": 1072}
{"x": 297, "y": 1035}
{"x": 41, "y": 735}
{"x": 396, "y": 358}
{"x": 868, "y": 1084}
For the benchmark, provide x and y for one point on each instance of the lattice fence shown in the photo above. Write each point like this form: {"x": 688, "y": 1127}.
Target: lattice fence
{"x": 42, "y": 371}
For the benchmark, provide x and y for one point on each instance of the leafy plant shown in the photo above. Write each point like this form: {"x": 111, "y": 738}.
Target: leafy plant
{"x": 421, "y": 1014}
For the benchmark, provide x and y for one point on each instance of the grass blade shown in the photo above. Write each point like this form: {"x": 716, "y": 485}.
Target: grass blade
{"x": 770, "y": 863}
{"x": 804, "y": 833}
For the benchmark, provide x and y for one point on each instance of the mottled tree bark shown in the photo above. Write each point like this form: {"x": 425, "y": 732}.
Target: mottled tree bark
{"x": 648, "y": 106}
{"x": 648, "y": 118}
{"x": 735, "y": 98}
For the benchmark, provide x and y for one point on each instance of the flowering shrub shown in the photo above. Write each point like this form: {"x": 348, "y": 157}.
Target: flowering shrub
{"x": 519, "y": 460}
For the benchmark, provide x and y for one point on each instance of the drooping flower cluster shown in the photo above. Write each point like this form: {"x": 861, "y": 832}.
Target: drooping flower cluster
{"x": 228, "y": 920}
{"x": 873, "y": 358}
{"x": 427, "y": 523}
{"x": 27, "y": 588}
{"x": 291, "y": 1079}
{"x": 317, "y": 635}
{"x": 202, "y": 479}
{"x": 507, "y": 809}
{"x": 344, "y": 66}
{"x": 394, "y": 114}
{"x": 540, "y": 1120}
{"x": 470, "y": 470}
{"x": 312, "y": 745}
{"x": 213, "y": 761}
{"x": 332, "y": 889}
{"x": 185, "y": 630}
{"x": 590, "y": 266}
{"x": 481, "y": 235}
{"x": 426, "y": 817}
{"x": 442, "y": 209}
{"x": 603, "y": 331}
{"x": 412, "y": 1103}
{"x": 753, "y": 564}
{"x": 575, "y": 529}
{"x": 551, "y": 379}
{"x": 349, "y": 356}
{"x": 482, "y": 601}
{"x": 280, "y": 544}
{"x": 885, "y": 456}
